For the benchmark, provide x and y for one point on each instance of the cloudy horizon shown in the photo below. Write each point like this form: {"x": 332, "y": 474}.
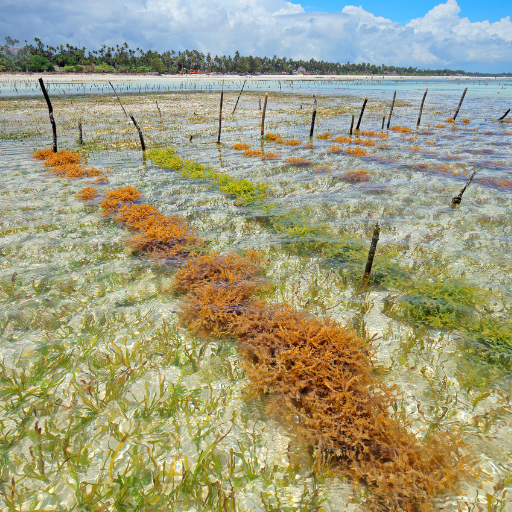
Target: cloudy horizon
{"x": 441, "y": 38}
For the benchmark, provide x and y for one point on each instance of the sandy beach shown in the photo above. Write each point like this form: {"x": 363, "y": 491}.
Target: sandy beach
{"x": 90, "y": 77}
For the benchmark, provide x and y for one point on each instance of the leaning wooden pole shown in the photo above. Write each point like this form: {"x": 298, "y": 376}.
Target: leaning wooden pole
{"x": 120, "y": 102}
{"x": 240, "y": 94}
{"x": 263, "y": 115}
{"x": 504, "y": 115}
{"x": 371, "y": 255}
{"x": 458, "y": 198}
{"x": 50, "y": 113}
{"x": 352, "y": 125}
{"x": 141, "y": 137}
{"x": 391, "y": 110}
{"x": 312, "y": 129}
{"x": 361, "y": 114}
{"x": 80, "y": 138}
{"x": 421, "y": 109}
{"x": 220, "y": 116}
{"x": 460, "y": 103}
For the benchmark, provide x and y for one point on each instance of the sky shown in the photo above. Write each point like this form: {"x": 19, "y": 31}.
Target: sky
{"x": 456, "y": 34}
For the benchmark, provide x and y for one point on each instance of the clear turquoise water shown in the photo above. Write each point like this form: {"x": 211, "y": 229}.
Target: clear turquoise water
{"x": 78, "y": 288}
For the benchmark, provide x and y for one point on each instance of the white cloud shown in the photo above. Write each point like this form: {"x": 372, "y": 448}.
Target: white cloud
{"x": 441, "y": 38}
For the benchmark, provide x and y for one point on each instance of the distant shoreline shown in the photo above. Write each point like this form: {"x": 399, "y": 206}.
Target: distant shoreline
{"x": 84, "y": 77}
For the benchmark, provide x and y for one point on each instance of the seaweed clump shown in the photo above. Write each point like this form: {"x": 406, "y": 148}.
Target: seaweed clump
{"x": 356, "y": 176}
{"x": 321, "y": 374}
{"x": 87, "y": 193}
{"x": 213, "y": 268}
{"x": 300, "y": 162}
{"x": 135, "y": 216}
{"x": 66, "y": 163}
{"x": 163, "y": 236}
{"x": 115, "y": 198}
{"x": 273, "y": 137}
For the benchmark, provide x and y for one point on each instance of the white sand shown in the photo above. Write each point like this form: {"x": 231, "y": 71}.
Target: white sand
{"x": 82, "y": 77}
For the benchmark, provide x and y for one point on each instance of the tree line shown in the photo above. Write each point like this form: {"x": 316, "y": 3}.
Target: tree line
{"x": 39, "y": 57}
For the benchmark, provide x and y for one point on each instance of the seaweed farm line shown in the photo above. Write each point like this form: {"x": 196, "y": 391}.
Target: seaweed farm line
{"x": 118, "y": 393}
{"x": 62, "y": 85}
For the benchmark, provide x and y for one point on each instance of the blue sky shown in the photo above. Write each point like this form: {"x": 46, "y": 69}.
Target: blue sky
{"x": 402, "y": 11}
{"x": 455, "y": 34}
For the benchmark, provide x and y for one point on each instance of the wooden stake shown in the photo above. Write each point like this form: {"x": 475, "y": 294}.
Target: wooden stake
{"x": 220, "y": 117}
{"x": 383, "y": 121}
{"x": 421, "y": 109}
{"x": 458, "y": 198}
{"x": 80, "y": 140}
{"x": 371, "y": 255}
{"x": 50, "y": 113}
{"x": 361, "y": 114}
{"x": 263, "y": 115}
{"x": 391, "y": 110}
{"x": 313, "y": 119}
{"x": 352, "y": 125}
{"x": 159, "y": 111}
{"x": 141, "y": 137}
{"x": 504, "y": 115}
{"x": 240, "y": 94}
{"x": 460, "y": 103}
{"x": 120, "y": 102}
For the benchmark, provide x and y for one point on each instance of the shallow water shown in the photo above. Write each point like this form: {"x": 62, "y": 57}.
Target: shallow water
{"x": 80, "y": 301}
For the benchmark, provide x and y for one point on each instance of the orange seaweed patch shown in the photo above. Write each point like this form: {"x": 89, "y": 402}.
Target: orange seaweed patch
{"x": 308, "y": 145}
{"x": 321, "y": 374}
{"x": 251, "y": 153}
{"x": 325, "y": 136}
{"x": 401, "y": 129}
{"x": 69, "y": 170}
{"x": 101, "y": 180}
{"x": 42, "y": 154}
{"x": 465, "y": 120}
{"x": 135, "y": 215}
{"x": 241, "y": 147}
{"x": 228, "y": 268}
{"x": 115, "y": 198}
{"x": 356, "y": 176}
{"x": 335, "y": 148}
{"x": 363, "y": 142}
{"x": 356, "y": 151}
{"x": 210, "y": 309}
{"x": 270, "y": 156}
{"x": 87, "y": 193}
{"x": 449, "y": 120}
{"x": 430, "y": 143}
{"x": 414, "y": 148}
{"x": 273, "y": 137}
{"x": 293, "y": 142}
{"x": 61, "y": 158}
{"x": 163, "y": 236}
{"x": 342, "y": 140}
{"x": 440, "y": 126}
{"x": 299, "y": 161}
{"x": 323, "y": 168}
{"x": 407, "y": 138}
